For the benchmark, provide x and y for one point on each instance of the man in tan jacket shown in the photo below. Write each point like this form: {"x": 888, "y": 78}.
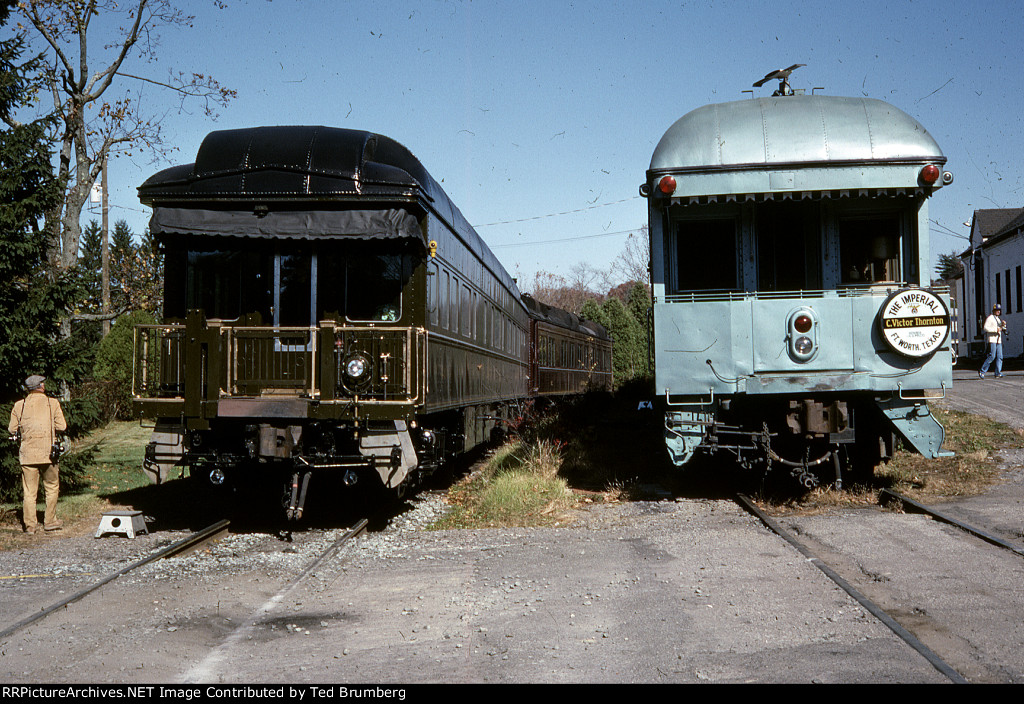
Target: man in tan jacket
{"x": 35, "y": 421}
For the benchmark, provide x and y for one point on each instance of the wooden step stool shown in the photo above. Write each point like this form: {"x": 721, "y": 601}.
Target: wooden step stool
{"x": 131, "y": 523}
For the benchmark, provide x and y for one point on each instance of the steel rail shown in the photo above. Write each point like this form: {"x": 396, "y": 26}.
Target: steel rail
{"x": 966, "y": 527}
{"x": 189, "y": 543}
{"x": 205, "y": 670}
{"x": 358, "y": 529}
{"x": 877, "y": 611}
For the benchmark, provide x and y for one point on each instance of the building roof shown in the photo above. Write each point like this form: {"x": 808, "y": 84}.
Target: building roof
{"x": 992, "y": 221}
{"x": 1008, "y": 230}
{"x": 994, "y": 225}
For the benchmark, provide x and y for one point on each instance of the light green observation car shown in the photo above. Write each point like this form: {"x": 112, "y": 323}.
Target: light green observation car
{"x": 794, "y": 324}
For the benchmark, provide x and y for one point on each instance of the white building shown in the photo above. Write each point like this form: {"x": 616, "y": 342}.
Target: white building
{"x": 992, "y": 274}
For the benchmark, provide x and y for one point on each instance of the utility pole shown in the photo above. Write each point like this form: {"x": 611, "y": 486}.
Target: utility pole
{"x": 105, "y": 258}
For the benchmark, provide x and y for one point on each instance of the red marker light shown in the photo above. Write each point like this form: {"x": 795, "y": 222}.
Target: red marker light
{"x": 930, "y": 174}
{"x": 802, "y": 323}
{"x": 667, "y": 185}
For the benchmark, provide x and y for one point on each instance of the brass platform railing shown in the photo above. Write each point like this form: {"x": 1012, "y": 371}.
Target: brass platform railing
{"x": 260, "y": 361}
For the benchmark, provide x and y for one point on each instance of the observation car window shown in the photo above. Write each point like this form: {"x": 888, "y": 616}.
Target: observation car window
{"x": 226, "y": 284}
{"x": 433, "y": 284}
{"x": 869, "y": 250}
{"x": 292, "y": 288}
{"x": 479, "y": 318}
{"x": 444, "y": 300}
{"x": 374, "y": 287}
{"x": 455, "y": 303}
{"x": 788, "y": 237}
{"x": 705, "y": 255}
{"x": 293, "y": 276}
{"x": 361, "y": 285}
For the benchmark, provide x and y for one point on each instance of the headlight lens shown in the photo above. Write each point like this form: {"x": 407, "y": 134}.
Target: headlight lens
{"x": 356, "y": 367}
{"x": 357, "y": 371}
{"x": 803, "y": 345}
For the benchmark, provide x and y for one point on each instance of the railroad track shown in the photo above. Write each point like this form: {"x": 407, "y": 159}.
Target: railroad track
{"x": 192, "y": 542}
{"x": 873, "y": 608}
{"x": 206, "y": 669}
{"x": 909, "y": 504}
{"x": 902, "y": 630}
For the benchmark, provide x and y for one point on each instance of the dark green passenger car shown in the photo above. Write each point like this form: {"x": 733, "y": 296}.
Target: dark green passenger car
{"x": 327, "y": 308}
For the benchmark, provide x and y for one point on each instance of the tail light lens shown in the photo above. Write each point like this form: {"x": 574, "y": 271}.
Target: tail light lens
{"x": 930, "y": 174}
{"x": 802, "y": 335}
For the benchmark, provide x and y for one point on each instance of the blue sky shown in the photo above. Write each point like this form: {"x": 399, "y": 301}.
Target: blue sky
{"x": 527, "y": 110}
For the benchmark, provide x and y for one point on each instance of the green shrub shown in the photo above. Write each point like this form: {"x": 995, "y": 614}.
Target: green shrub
{"x": 114, "y": 362}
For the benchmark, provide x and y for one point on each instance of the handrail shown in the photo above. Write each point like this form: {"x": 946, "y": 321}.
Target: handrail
{"x": 684, "y": 404}
{"x": 261, "y": 359}
{"x": 852, "y": 291}
{"x": 923, "y": 396}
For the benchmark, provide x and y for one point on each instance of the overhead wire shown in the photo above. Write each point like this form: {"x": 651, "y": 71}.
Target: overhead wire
{"x": 563, "y": 239}
{"x": 551, "y": 215}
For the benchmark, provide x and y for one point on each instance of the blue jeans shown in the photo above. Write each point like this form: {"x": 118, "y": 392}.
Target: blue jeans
{"x": 995, "y": 351}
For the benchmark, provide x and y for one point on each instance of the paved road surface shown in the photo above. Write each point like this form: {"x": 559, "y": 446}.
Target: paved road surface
{"x": 999, "y": 399}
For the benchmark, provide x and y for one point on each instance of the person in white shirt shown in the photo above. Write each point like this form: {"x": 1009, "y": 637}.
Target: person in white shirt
{"x": 995, "y": 328}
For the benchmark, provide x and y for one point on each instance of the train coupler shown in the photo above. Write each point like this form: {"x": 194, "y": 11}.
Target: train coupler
{"x": 297, "y": 501}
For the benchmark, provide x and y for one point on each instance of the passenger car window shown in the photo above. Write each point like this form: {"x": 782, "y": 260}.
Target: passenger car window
{"x": 869, "y": 250}
{"x": 705, "y": 255}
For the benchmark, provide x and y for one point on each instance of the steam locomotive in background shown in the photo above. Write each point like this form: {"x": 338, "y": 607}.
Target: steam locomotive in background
{"x": 328, "y": 309}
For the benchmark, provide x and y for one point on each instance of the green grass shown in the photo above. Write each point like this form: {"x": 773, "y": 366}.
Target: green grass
{"x": 119, "y": 452}
{"x": 518, "y": 486}
{"x": 117, "y": 468}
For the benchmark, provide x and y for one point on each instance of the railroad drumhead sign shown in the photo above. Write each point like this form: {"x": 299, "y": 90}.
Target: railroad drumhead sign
{"x": 914, "y": 322}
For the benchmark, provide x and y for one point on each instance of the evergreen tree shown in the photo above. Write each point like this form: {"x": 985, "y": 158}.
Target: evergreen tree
{"x": 90, "y": 266}
{"x": 31, "y": 303}
{"x": 627, "y": 357}
{"x": 86, "y": 334}
{"x": 122, "y": 266}
{"x": 114, "y": 361}
{"x": 638, "y": 303}
{"x": 151, "y": 276}
{"x": 592, "y": 311}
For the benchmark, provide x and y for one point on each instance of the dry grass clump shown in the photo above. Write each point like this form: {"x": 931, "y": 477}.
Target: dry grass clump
{"x": 518, "y": 486}
{"x": 975, "y": 440}
{"x": 822, "y": 499}
{"x": 621, "y": 491}
{"x": 80, "y": 515}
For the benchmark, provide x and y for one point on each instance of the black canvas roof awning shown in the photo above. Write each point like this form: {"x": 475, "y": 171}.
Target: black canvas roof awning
{"x": 394, "y": 223}
{"x": 305, "y": 182}
{"x": 562, "y": 318}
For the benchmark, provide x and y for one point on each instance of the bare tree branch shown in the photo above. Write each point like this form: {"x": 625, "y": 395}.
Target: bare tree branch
{"x": 91, "y": 126}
